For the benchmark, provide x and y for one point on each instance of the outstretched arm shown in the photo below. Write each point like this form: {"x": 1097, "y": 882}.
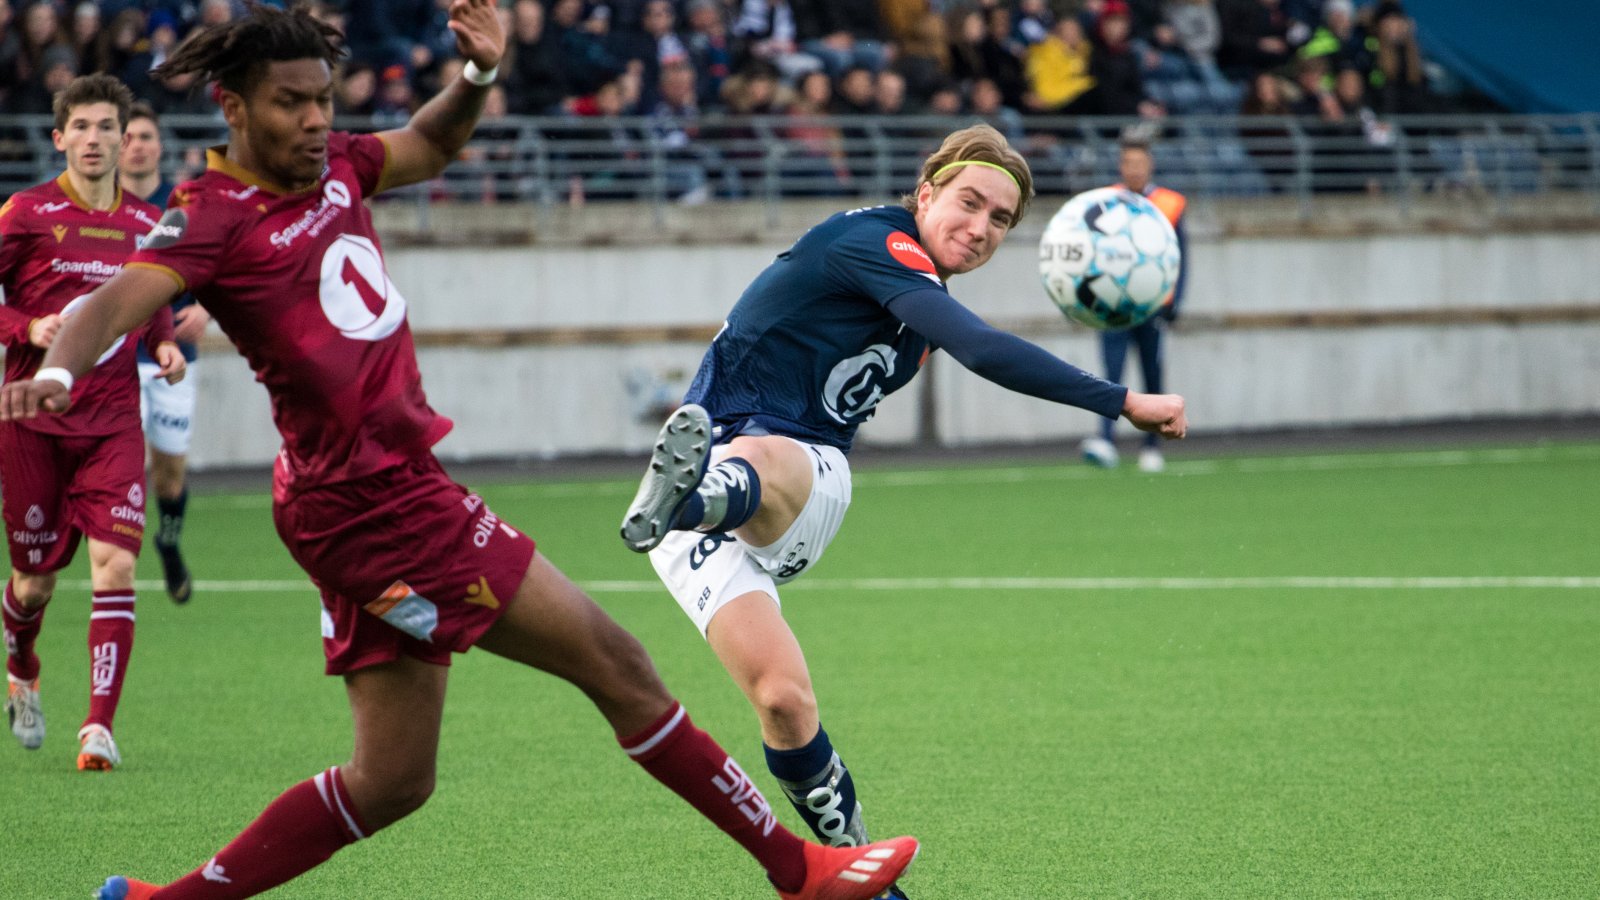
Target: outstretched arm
{"x": 114, "y": 309}
{"x": 437, "y": 132}
{"x": 1016, "y": 364}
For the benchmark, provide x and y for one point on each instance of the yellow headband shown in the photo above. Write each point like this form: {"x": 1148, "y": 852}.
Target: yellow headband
{"x": 977, "y": 162}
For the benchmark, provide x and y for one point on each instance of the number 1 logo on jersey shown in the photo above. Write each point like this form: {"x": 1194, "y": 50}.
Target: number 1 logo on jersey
{"x": 356, "y": 293}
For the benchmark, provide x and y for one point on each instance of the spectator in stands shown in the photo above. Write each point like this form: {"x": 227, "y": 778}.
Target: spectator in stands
{"x": 900, "y": 17}
{"x": 945, "y": 100}
{"x": 388, "y": 32}
{"x": 1338, "y": 39}
{"x": 585, "y": 58}
{"x": 1116, "y": 67}
{"x": 853, "y": 95}
{"x": 396, "y": 99}
{"x": 1316, "y": 99}
{"x": 357, "y": 91}
{"x": 657, "y": 45}
{"x": 39, "y": 30}
{"x": 966, "y": 30}
{"x": 710, "y": 49}
{"x": 754, "y": 90}
{"x": 1255, "y": 37}
{"x": 924, "y": 60}
{"x": 841, "y": 33}
{"x": 161, "y": 36}
{"x": 1397, "y": 77}
{"x": 1189, "y": 37}
{"x": 1269, "y": 144}
{"x": 56, "y": 69}
{"x": 1059, "y": 80}
{"x": 1002, "y": 60}
{"x": 674, "y": 127}
{"x": 766, "y": 31}
{"x": 535, "y": 81}
{"x": 89, "y": 40}
{"x": 890, "y": 91}
{"x": 987, "y": 103}
{"x": 1033, "y": 22}
{"x": 123, "y": 38}
{"x": 817, "y": 146}
{"x": 11, "y": 61}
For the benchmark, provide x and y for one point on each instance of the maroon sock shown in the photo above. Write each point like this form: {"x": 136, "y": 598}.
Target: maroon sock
{"x": 688, "y": 761}
{"x": 110, "y": 642}
{"x": 21, "y": 630}
{"x": 296, "y": 833}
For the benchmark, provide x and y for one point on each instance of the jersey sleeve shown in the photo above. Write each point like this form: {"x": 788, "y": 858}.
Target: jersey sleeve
{"x": 368, "y": 155}
{"x": 188, "y": 242}
{"x": 876, "y": 259}
{"x": 13, "y": 246}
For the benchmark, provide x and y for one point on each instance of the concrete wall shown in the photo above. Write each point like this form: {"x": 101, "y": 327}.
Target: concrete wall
{"x": 549, "y": 400}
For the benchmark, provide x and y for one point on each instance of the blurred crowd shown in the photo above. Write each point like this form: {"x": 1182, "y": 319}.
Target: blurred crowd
{"x": 1002, "y": 59}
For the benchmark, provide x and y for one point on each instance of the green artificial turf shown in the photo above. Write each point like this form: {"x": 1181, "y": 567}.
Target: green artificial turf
{"x": 1066, "y": 682}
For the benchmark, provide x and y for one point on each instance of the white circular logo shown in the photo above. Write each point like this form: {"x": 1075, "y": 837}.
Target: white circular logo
{"x": 356, "y": 293}
{"x": 136, "y": 495}
{"x": 34, "y": 518}
{"x": 336, "y": 193}
{"x": 115, "y": 345}
{"x": 856, "y": 384}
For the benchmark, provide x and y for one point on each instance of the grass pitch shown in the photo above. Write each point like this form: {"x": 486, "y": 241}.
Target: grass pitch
{"x": 1357, "y": 675}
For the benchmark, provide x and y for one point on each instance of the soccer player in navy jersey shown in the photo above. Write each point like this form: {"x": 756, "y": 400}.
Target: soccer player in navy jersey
{"x": 79, "y": 475}
{"x": 749, "y": 480}
{"x": 167, "y": 409}
{"x": 274, "y": 240}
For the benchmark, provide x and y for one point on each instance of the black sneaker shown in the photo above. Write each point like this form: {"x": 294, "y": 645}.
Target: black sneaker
{"x": 179, "y": 585}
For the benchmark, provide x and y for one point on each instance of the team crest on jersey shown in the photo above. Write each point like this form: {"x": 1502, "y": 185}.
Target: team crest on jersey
{"x": 136, "y": 494}
{"x": 34, "y": 519}
{"x": 337, "y": 193}
{"x": 855, "y": 385}
{"x": 356, "y": 293}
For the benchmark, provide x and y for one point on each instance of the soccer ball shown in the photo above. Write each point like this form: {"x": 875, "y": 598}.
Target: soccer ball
{"x": 1109, "y": 259}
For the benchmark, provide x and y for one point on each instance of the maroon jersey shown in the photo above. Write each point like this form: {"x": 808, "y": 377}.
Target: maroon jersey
{"x": 296, "y": 280}
{"x": 54, "y": 250}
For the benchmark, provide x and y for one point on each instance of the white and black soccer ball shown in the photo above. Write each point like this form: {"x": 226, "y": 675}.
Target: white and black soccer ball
{"x": 1109, "y": 259}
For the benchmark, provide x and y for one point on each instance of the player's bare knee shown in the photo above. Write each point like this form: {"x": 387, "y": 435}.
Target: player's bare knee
{"x": 783, "y": 704}
{"x": 387, "y": 794}
{"x": 633, "y": 674}
{"x": 110, "y": 567}
{"x": 32, "y": 591}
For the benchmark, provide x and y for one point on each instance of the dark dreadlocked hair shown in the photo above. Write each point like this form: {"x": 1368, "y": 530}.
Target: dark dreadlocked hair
{"x": 236, "y": 53}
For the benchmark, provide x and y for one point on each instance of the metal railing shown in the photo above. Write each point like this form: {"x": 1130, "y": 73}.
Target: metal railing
{"x": 554, "y": 161}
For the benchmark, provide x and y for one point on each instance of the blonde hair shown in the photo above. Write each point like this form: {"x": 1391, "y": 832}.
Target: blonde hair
{"x": 978, "y": 143}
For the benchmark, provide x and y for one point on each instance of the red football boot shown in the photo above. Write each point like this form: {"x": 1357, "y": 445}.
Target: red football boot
{"x": 853, "y": 873}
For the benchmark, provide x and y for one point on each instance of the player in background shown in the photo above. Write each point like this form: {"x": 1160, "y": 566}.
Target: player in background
{"x": 1136, "y": 166}
{"x": 80, "y": 474}
{"x": 167, "y": 408}
{"x": 842, "y": 319}
{"x": 275, "y": 240}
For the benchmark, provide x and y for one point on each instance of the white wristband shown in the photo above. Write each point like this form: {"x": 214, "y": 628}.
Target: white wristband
{"x": 477, "y": 76}
{"x": 57, "y": 374}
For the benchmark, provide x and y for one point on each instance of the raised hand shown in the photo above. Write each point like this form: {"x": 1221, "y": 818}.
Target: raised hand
{"x": 479, "y": 37}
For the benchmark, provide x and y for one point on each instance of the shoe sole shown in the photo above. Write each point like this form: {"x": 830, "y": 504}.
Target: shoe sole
{"x": 88, "y": 762}
{"x": 676, "y": 466}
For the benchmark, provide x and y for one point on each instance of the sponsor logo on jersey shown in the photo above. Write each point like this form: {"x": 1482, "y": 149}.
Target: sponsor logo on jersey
{"x": 337, "y": 193}
{"x": 128, "y": 514}
{"x": 60, "y": 231}
{"x": 855, "y": 386}
{"x": 480, "y": 594}
{"x": 742, "y": 792}
{"x": 313, "y": 221}
{"x": 483, "y": 529}
{"x": 102, "y": 234}
{"x": 167, "y": 231}
{"x": 91, "y": 269}
{"x": 136, "y": 494}
{"x": 143, "y": 217}
{"x": 909, "y": 253}
{"x": 245, "y": 194}
{"x": 45, "y": 209}
{"x": 34, "y": 518}
{"x": 34, "y": 538}
{"x": 128, "y": 530}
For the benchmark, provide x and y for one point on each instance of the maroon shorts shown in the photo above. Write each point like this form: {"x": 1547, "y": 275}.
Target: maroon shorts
{"x": 409, "y": 563}
{"x": 56, "y": 489}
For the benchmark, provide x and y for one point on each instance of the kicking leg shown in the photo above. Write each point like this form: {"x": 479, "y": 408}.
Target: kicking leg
{"x": 759, "y": 650}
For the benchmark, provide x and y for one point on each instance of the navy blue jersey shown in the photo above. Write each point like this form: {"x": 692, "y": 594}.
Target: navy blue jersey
{"x": 158, "y": 199}
{"x": 810, "y": 348}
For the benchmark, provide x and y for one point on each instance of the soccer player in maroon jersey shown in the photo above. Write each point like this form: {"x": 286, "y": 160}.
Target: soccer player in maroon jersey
{"x": 274, "y": 240}
{"x": 80, "y": 474}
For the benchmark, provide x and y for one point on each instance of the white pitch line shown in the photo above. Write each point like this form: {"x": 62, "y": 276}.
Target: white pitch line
{"x": 1287, "y": 582}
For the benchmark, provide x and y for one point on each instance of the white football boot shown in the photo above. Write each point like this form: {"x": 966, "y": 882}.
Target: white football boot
{"x": 24, "y": 712}
{"x": 1151, "y": 460}
{"x": 1098, "y": 451}
{"x": 97, "y": 751}
{"x": 677, "y": 464}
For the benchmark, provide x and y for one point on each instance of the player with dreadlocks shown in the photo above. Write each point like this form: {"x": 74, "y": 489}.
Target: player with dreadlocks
{"x": 275, "y": 242}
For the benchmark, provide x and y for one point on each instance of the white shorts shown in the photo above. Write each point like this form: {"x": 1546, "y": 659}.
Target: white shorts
{"x": 167, "y": 409}
{"x": 705, "y": 571}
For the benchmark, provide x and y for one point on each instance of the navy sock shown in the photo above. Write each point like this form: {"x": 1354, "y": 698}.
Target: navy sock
{"x": 170, "y": 528}
{"x": 821, "y": 790}
{"x": 728, "y": 496}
